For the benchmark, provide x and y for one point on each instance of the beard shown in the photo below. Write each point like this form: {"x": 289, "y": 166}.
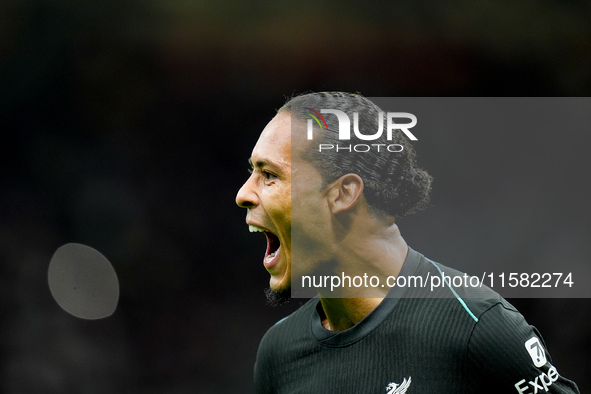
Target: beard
{"x": 277, "y": 297}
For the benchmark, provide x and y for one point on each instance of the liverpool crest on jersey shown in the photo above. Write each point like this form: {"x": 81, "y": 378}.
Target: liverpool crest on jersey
{"x": 395, "y": 388}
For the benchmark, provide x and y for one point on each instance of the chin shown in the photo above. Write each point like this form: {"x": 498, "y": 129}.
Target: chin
{"x": 281, "y": 278}
{"x": 280, "y": 284}
{"x": 277, "y": 297}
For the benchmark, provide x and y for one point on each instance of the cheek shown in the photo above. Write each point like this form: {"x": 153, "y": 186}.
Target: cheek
{"x": 278, "y": 204}
{"x": 304, "y": 192}
{"x": 309, "y": 216}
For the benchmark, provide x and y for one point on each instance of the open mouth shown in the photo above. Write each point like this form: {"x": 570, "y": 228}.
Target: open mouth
{"x": 273, "y": 245}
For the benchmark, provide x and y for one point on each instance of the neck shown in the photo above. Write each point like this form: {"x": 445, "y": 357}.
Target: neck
{"x": 343, "y": 313}
{"x": 379, "y": 253}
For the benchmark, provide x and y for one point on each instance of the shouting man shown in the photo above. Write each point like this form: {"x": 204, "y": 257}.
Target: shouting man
{"x": 326, "y": 190}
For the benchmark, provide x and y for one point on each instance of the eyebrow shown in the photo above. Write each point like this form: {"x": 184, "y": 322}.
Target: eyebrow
{"x": 259, "y": 163}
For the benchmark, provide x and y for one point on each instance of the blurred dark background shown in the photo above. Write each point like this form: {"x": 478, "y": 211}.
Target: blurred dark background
{"x": 126, "y": 126}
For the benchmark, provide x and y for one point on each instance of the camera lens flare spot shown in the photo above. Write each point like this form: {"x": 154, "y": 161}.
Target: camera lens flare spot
{"x": 83, "y": 282}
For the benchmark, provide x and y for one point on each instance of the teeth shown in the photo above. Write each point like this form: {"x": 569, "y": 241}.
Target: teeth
{"x": 254, "y": 229}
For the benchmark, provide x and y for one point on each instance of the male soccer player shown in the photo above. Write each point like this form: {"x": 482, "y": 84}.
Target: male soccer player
{"x": 332, "y": 212}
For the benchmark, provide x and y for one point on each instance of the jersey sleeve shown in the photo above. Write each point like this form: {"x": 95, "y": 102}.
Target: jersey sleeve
{"x": 507, "y": 355}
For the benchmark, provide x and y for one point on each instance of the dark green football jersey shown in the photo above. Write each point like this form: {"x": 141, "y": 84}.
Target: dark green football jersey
{"x": 453, "y": 340}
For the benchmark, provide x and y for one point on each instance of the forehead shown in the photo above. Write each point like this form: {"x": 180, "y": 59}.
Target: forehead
{"x": 280, "y": 143}
{"x": 274, "y": 139}
{"x": 274, "y": 145}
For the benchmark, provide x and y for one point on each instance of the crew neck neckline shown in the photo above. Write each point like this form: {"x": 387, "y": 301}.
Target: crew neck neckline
{"x": 373, "y": 319}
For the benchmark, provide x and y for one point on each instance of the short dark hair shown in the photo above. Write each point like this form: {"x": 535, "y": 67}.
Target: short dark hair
{"x": 393, "y": 183}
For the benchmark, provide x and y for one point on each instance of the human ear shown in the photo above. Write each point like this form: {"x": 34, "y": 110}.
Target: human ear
{"x": 344, "y": 193}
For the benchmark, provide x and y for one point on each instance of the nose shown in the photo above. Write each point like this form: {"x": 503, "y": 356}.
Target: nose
{"x": 247, "y": 197}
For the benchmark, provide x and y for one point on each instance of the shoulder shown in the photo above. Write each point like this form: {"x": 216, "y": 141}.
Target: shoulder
{"x": 464, "y": 290}
{"x": 503, "y": 351}
{"x": 287, "y": 333}
{"x": 293, "y": 323}
{"x": 505, "y": 348}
